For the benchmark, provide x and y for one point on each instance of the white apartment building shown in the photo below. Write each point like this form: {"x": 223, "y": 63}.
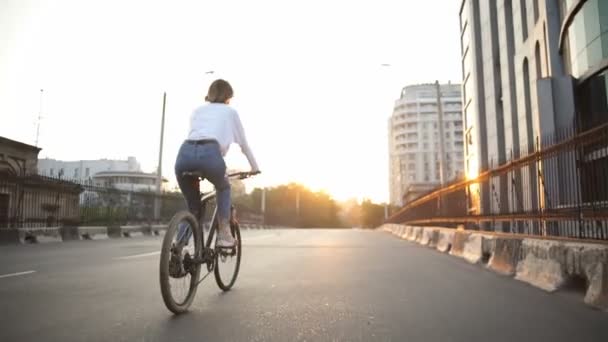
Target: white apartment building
{"x": 84, "y": 170}
{"x": 414, "y": 153}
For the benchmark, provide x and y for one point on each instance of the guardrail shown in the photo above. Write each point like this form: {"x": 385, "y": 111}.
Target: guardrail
{"x": 558, "y": 189}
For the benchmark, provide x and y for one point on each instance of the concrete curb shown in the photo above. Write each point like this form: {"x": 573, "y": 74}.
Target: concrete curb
{"x": 542, "y": 264}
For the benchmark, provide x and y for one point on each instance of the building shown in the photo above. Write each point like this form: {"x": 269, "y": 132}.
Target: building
{"x": 128, "y": 180}
{"x": 28, "y": 200}
{"x": 531, "y": 69}
{"x": 414, "y": 144}
{"x": 17, "y": 158}
{"x": 83, "y": 170}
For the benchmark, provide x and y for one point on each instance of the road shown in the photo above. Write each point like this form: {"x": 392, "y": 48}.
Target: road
{"x": 294, "y": 285}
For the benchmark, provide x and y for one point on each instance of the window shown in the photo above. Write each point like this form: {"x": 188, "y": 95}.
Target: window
{"x": 411, "y": 156}
{"x": 87, "y": 172}
{"x": 60, "y": 172}
{"x": 52, "y": 173}
{"x": 411, "y": 166}
{"x": 76, "y": 173}
{"x": 412, "y": 176}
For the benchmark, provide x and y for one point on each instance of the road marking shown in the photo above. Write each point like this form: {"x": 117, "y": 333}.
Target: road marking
{"x": 16, "y": 274}
{"x": 143, "y": 255}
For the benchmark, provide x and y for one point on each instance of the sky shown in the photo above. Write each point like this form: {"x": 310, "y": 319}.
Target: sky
{"x": 309, "y": 81}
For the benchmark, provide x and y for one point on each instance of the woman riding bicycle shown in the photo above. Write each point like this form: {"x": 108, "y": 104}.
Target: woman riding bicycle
{"x": 213, "y": 127}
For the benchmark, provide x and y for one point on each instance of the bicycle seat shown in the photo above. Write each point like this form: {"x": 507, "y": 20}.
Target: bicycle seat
{"x": 192, "y": 174}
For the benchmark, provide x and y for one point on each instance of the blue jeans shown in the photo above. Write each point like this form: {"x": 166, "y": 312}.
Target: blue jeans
{"x": 206, "y": 159}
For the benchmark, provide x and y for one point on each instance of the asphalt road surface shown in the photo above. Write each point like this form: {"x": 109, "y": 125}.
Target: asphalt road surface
{"x": 294, "y": 285}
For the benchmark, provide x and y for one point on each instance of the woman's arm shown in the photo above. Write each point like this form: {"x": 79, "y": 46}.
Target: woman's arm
{"x": 239, "y": 138}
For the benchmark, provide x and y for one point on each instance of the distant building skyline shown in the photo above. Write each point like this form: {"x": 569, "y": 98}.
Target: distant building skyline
{"x": 85, "y": 170}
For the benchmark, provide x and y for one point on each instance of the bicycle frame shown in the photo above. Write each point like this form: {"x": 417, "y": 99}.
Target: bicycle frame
{"x": 205, "y": 198}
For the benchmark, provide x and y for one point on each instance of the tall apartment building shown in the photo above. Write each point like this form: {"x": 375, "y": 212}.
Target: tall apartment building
{"x": 530, "y": 68}
{"x": 414, "y": 153}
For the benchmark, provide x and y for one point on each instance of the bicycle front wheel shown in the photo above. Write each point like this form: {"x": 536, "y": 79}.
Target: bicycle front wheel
{"x": 228, "y": 261}
{"x": 179, "y": 274}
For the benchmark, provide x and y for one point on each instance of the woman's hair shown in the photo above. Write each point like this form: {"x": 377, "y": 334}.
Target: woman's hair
{"x": 219, "y": 92}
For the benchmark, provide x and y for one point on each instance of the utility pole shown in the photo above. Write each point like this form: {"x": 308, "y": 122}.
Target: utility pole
{"x": 442, "y": 161}
{"x": 298, "y": 204}
{"x": 159, "y": 176}
{"x": 263, "y": 205}
{"x": 39, "y": 118}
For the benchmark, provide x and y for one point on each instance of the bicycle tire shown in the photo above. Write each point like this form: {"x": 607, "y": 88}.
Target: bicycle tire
{"x": 165, "y": 256}
{"x": 236, "y": 233}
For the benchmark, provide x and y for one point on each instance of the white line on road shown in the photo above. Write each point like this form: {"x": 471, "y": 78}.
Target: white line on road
{"x": 16, "y": 274}
{"x": 137, "y": 256}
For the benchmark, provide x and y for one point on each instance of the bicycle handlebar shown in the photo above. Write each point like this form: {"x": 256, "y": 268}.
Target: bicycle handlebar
{"x": 243, "y": 175}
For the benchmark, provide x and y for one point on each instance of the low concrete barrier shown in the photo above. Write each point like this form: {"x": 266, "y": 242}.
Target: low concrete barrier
{"x": 445, "y": 240}
{"x": 401, "y": 231}
{"x": 93, "y": 233}
{"x": 590, "y": 262}
{"x": 39, "y": 235}
{"x": 506, "y": 255}
{"x": 415, "y": 234}
{"x": 158, "y": 229}
{"x": 426, "y": 236}
{"x": 135, "y": 231}
{"x": 458, "y": 242}
{"x": 406, "y": 232}
{"x": 542, "y": 264}
{"x": 434, "y": 238}
{"x": 473, "y": 248}
{"x": 69, "y": 233}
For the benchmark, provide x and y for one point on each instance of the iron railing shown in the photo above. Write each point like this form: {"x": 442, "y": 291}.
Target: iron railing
{"x": 38, "y": 201}
{"x": 558, "y": 189}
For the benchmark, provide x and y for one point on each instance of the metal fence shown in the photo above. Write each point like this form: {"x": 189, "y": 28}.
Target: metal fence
{"x": 558, "y": 189}
{"x": 38, "y": 201}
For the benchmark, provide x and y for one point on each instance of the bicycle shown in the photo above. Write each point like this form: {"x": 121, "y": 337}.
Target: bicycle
{"x": 184, "y": 251}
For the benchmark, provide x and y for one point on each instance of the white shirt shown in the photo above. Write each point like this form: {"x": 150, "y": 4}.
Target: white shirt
{"x": 220, "y": 122}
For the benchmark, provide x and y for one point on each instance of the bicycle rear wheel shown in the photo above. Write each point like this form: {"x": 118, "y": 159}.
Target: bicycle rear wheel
{"x": 178, "y": 273}
{"x": 228, "y": 262}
